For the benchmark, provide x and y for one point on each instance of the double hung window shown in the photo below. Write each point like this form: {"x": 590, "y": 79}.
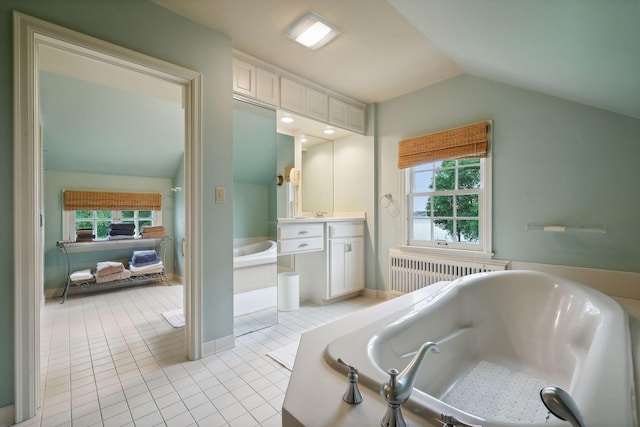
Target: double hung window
{"x": 448, "y": 188}
{"x": 448, "y": 204}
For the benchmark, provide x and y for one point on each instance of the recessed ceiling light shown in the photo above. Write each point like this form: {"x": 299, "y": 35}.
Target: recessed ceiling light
{"x": 329, "y": 131}
{"x": 287, "y": 120}
{"x": 303, "y": 138}
{"x": 312, "y": 31}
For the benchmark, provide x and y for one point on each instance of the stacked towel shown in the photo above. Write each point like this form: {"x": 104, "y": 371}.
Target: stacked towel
{"x": 108, "y": 267}
{"x": 81, "y": 276}
{"x": 85, "y": 235}
{"x": 119, "y": 231}
{"x": 148, "y": 269}
{"x": 144, "y": 258}
{"x": 153, "y": 232}
{"x": 124, "y": 274}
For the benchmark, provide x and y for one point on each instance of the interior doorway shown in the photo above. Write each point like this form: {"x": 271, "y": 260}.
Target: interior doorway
{"x": 32, "y": 35}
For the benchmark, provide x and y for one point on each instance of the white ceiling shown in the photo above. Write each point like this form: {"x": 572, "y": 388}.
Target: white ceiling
{"x": 582, "y": 50}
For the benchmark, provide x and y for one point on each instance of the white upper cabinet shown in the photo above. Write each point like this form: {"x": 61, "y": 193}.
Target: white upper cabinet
{"x": 346, "y": 115}
{"x": 301, "y": 99}
{"x": 317, "y": 105}
{"x": 267, "y": 87}
{"x": 292, "y": 96}
{"x": 244, "y": 78}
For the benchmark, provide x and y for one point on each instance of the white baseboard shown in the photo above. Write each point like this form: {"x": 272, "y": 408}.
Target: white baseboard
{"x": 623, "y": 284}
{"x": 7, "y": 415}
{"x": 376, "y": 293}
{"x": 215, "y": 346}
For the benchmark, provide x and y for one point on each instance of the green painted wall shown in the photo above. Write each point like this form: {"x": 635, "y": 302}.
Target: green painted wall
{"x": 251, "y": 213}
{"x": 55, "y": 262}
{"x": 148, "y": 28}
{"x": 554, "y": 162}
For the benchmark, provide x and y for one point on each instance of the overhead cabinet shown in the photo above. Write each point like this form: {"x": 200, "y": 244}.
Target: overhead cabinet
{"x": 346, "y": 115}
{"x": 255, "y": 82}
{"x": 300, "y": 99}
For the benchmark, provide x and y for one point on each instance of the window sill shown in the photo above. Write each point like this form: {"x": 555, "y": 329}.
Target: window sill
{"x": 108, "y": 245}
{"x": 453, "y": 253}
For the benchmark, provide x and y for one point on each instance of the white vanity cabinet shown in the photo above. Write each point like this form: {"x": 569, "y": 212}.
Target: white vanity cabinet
{"x": 346, "y": 258}
{"x": 300, "y": 238}
{"x": 332, "y": 269}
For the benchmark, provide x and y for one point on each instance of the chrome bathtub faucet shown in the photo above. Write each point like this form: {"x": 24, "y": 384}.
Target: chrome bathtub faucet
{"x": 352, "y": 395}
{"x": 397, "y": 390}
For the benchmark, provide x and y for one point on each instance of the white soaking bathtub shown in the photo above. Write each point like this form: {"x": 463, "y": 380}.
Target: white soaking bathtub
{"x": 263, "y": 252}
{"x": 503, "y": 336}
{"x": 255, "y": 266}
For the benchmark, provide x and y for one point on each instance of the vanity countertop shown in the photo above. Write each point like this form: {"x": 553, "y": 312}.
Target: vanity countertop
{"x": 351, "y": 216}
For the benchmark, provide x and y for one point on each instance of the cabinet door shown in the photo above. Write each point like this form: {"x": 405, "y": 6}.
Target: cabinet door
{"x": 337, "y": 267}
{"x": 338, "y": 113}
{"x": 244, "y": 78}
{"x": 355, "y": 264}
{"x": 267, "y": 87}
{"x": 317, "y": 104}
{"x": 356, "y": 118}
{"x": 292, "y": 96}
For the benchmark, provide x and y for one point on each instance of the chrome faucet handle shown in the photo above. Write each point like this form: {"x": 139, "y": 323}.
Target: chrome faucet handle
{"x": 352, "y": 395}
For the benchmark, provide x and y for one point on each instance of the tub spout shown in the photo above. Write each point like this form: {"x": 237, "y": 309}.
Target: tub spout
{"x": 397, "y": 390}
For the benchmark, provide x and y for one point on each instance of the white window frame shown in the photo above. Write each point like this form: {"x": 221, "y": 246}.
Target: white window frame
{"x": 69, "y": 221}
{"x": 483, "y": 249}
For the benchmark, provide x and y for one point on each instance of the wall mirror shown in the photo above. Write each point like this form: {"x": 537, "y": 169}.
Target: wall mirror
{"x": 255, "y": 271}
{"x": 317, "y": 175}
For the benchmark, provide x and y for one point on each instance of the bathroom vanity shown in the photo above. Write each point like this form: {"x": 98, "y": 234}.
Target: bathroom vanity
{"x": 329, "y": 255}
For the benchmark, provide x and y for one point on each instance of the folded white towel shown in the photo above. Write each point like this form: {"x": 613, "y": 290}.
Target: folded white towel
{"x": 148, "y": 269}
{"x": 81, "y": 276}
{"x": 108, "y": 267}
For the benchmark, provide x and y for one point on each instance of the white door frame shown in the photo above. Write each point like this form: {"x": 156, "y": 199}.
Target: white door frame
{"x": 29, "y": 34}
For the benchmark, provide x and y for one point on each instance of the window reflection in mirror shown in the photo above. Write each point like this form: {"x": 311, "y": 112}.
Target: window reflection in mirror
{"x": 317, "y": 175}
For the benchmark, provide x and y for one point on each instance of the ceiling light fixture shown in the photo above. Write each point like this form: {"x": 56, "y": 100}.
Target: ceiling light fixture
{"x": 287, "y": 120}
{"x": 329, "y": 131}
{"x": 312, "y": 31}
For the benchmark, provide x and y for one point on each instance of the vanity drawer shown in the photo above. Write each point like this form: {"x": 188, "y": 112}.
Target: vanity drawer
{"x": 347, "y": 229}
{"x": 296, "y": 231}
{"x": 296, "y": 246}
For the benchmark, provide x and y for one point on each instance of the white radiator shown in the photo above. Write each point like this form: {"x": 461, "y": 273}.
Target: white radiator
{"x": 409, "y": 271}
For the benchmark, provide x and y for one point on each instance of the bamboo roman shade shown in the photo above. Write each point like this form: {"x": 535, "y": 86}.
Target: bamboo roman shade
{"x": 459, "y": 143}
{"x": 75, "y": 200}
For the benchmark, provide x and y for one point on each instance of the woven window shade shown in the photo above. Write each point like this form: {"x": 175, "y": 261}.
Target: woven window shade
{"x": 470, "y": 141}
{"x": 75, "y": 200}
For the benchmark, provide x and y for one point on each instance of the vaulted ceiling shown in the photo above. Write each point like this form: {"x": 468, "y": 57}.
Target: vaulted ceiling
{"x": 586, "y": 51}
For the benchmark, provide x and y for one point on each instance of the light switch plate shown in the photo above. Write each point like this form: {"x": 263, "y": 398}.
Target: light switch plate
{"x": 219, "y": 194}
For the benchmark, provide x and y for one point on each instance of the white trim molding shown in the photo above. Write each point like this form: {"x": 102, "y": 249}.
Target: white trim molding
{"x": 29, "y": 35}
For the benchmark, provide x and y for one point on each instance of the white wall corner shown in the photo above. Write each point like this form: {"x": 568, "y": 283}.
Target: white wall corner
{"x": 217, "y": 345}
{"x": 7, "y": 415}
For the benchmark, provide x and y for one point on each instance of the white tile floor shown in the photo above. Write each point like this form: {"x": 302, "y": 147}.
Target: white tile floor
{"x": 110, "y": 359}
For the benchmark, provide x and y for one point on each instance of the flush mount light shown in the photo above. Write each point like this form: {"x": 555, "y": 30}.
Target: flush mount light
{"x": 287, "y": 120}
{"x": 303, "y": 138}
{"x": 329, "y": 131}
{"x": 312, "y": 31}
